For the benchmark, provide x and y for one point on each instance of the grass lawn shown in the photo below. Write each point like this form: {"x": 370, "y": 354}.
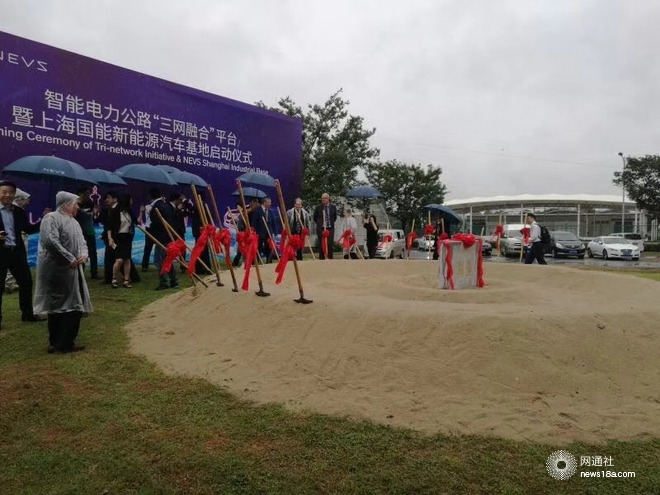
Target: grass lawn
{"x": 105, "y": 421}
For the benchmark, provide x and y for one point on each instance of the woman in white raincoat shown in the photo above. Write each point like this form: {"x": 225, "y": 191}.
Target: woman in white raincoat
{"x": 61, "y": 290}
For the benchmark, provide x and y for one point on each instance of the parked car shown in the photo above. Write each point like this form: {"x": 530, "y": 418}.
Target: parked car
{"x": 486, "y": 248}
{"x": 565, "y": 244}
{"x": 511, "y": 240}
{"x": 391, "y": 243}
{"x": 426, "y": 243}
{"x": 612, "y": 247}
{"x": 634, "y": 238}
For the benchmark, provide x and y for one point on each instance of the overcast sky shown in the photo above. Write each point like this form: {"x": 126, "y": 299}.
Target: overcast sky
{"x": 507, "y": 96}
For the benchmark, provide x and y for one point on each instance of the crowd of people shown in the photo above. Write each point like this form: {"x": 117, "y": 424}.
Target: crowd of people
{"x": 68, "y": 241}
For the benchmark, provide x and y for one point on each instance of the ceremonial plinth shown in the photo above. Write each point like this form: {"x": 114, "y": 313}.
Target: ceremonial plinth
{"x": 461, "y": 264}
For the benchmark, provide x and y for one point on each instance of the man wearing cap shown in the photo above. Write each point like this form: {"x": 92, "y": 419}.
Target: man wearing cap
{"x": 13, "y": 255}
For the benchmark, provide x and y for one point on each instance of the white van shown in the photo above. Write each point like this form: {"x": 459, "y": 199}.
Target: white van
{"x": 391, "y": 243}
{"x": 511, "y": 240}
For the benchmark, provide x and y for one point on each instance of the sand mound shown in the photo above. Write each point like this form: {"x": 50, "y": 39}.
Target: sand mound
{"x": 543, "y": 353}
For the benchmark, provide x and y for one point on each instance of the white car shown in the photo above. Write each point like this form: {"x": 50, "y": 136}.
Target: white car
{"x": 612, "y": 247}
{"x": 634, "y": 238}
{"x": 391, "y": 243}
{"x": 426, "y": 243}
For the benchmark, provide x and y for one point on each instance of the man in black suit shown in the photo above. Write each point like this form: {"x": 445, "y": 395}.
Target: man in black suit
{"x": 261, "y": 217}
{"x": 169, "y": 210}
{"x": 325, "y": 216}
{"x": 13, "y": 255}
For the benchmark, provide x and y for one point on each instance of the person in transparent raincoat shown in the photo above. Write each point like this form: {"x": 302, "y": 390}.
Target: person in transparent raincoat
{"x": 61, "y": 291}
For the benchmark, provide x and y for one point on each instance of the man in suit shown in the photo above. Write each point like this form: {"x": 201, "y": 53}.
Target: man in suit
{"x": 13, "y": 255}
{"x": 169, "y": 210}
{"x": 325, "y": 216}
{"x": 299, "y": 219}
{"x": 261, "y": 217}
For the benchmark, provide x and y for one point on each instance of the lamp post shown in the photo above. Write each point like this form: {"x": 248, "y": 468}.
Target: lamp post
{"x": 623, "y": 198}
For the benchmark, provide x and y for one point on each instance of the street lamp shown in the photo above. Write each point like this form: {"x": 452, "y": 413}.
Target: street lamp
{"x": 623, "y": 198}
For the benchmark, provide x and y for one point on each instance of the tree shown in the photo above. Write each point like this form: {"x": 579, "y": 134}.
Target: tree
{"x": 335, "y": 145}
{"x": 641, "y": 180}
{"x": 407, "y": 188}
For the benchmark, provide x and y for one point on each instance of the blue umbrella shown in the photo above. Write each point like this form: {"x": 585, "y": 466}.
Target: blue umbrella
{"x": 145, "y": 172}
{"x": 188, "y": 179}
{"x": 445, "y": 211}
{"x": 106, "y": 178}
{"x": 48, "y": 169}
{"x": 250, "y": 192}
{"x": 364, "y": 192}
{"x": 258, "y": 178}
{"x": 168, "y": 168}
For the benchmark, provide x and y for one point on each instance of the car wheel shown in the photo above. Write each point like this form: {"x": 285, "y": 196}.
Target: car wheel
{"x": 589, "y": 253}
{"x": 392, "y": 254}
{"x": 605, "y": 254}
{"x": 555, "y": 254}
{"x": 503, "y": 251}
{"x": 580, "y": 256}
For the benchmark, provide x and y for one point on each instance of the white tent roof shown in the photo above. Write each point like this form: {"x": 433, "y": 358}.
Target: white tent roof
{"x": 539, "y": 200}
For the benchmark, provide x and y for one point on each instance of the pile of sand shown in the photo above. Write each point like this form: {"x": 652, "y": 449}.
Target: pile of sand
{"x": 543, "y": 353}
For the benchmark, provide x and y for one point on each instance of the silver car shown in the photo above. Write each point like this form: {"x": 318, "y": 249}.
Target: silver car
{"x": 612, "y": 247}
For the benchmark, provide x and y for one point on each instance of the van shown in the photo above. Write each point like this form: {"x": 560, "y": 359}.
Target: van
{"x": 633, "y": 237}
{"x": 511, "y": 240}
{"x": 391, "y": 243}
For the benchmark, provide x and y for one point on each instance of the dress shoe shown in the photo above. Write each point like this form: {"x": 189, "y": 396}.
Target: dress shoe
{"x": 162, "y": 287}
{"x": 33, "y": 318}
{"x": 175, "y": 285}
{"x": 51, "y": 349}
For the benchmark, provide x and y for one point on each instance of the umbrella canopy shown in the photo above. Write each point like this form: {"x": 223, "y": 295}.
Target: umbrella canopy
{"x": 250, "y": 192}
{"x": 145, "y": 172}
{"x": 48, "y": 169}
{"x": 168, "y": 168}
{"x": 445, "y": 211}
{"x": 188, "y": 179}
{"x": 364, "y": 192}
{"x": 257, "y": 178}
{"x": 106, "y": 178}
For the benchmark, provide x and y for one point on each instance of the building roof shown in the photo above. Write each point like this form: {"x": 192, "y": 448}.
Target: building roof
{"x": 604, "y": 200}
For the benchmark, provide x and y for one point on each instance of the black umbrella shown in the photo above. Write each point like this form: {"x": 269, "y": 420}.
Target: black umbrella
{"x": 106, "y": 178}
{"x": 257, "y": 178}
{"x": 145, "y": 172}
{"x": 188, "y": 179}
{"x": 364, "y": 192}
{"x": 445, "y": 211}
{"x": 250, "y": 192}
{"x": 48, "y": 169}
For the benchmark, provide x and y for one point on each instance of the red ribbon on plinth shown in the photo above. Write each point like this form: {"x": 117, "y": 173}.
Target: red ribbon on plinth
{"x": 288, "y": 254}
{"x": 324, "y": 243}
{"x": 248, "y": 242}
{"x": 174, "y": 250}
{"x": 480, "y": 264}
{"x": 526, "y": 234}
{"x": 448, "y": 262}
{"x": 429, "y": 229}
{"x": 386, "y": 238}
{"x": 208, "y": 231}
{"x": 443, "y": 237}
{"x": 467, "y": 239}
{"x": 223, "y": 238}
{"x": 347, "y": 239}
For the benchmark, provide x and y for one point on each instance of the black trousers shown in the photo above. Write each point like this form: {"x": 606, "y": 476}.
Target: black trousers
{"x": 148, "y": 247}
{"x": 108, "y": 261}
{"x": 90, "y": 240}
{"x": 331, "y": 243}
{"x": 535, "y": 253}
{"x": 14, "y": 260}
{"x": 63, "y": 329}
{"x": 264, "y": 249}
{"x": 371, "y": 248}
